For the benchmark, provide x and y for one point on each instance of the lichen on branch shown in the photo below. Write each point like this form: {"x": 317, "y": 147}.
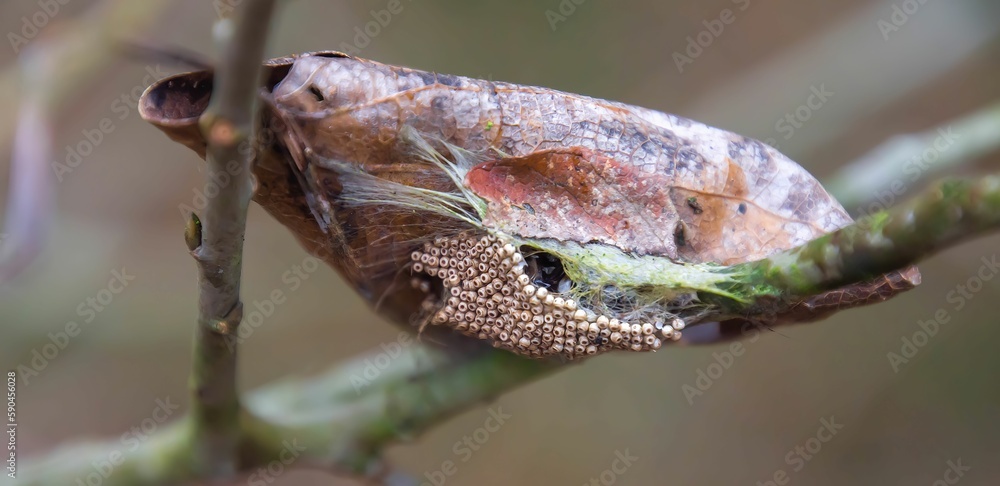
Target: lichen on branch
{"x": 942, "y": 215}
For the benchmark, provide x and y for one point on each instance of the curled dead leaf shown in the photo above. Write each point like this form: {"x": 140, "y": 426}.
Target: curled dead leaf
{"x": 542, "y": 222}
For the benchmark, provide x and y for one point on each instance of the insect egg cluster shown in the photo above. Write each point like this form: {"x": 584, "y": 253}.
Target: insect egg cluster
{"x": 488, "y": 295}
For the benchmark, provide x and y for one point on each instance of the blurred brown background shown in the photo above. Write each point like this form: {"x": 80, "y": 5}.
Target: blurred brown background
{"x": 118, "y": 208}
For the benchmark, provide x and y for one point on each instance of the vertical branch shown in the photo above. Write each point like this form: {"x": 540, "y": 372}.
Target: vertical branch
{"x": 216, "y": 240}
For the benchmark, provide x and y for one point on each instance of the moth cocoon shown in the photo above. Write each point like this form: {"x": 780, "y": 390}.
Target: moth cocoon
{"x": 596, "y": 285}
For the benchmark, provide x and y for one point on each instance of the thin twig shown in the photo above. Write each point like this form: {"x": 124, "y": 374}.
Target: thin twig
{"x": 226, "y": 125}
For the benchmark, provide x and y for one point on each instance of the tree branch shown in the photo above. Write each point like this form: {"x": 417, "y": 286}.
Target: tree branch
{"x": 217, "y": 238}
{"x": 344, "y": 420}
{"x": 339, "y": 421}
{"x": 944, "y": 214}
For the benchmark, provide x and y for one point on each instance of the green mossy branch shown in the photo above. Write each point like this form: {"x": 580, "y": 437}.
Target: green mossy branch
{"x": 338, "y": 421}
{"x": 942, "y": 215}
{"x": 883, "y": 242}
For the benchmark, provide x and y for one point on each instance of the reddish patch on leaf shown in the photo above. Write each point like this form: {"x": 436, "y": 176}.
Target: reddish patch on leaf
{"x": 576, "y": 194}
